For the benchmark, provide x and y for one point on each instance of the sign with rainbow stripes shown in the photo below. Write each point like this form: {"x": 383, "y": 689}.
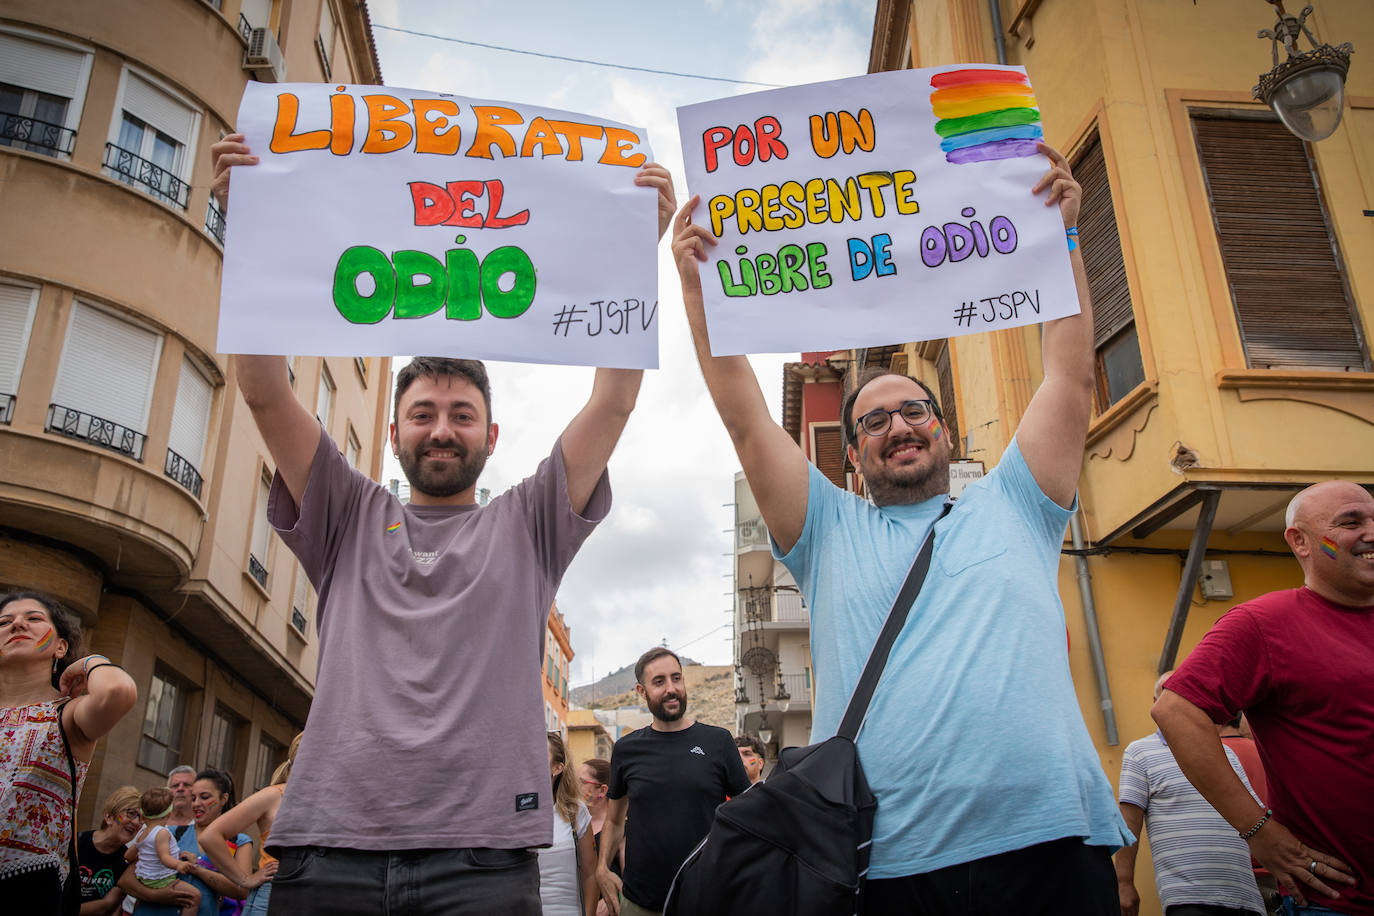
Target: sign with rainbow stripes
{"x": 893, "y": 206}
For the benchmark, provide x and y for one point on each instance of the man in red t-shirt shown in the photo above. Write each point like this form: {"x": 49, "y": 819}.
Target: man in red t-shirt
{"x": 1300, "y": 663}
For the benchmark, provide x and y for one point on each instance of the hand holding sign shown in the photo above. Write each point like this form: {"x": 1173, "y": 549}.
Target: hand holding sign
{"x": 881, "y": 208}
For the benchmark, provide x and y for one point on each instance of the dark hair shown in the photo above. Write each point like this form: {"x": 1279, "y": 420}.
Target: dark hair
{"x": 653, "y": 654}
{"x": 155, "y": 801}
{"x": 223, "y": 781}
{"x": 435, "y": 366}
{"x": 601, "y": 769}
{"x": 865, "y": 376}
{"x": 64, "y": 621}
{"x": 751, "y": 742}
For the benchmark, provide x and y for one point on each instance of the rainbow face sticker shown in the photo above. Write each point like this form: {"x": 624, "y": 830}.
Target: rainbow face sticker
{"x": 984, "y": 115}
{"x": 935, "y": 429}
{"x": 1329, "y": 547}
{"x": 46, "y": 640}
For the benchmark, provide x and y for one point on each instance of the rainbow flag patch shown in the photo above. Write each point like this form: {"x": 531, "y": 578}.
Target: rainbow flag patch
{"x": 393, "y": 528}
{"x": 1329, "y": 547}
{"x": 985, "y": 115}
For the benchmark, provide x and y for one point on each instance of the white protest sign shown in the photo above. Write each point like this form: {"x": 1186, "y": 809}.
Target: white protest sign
{"x": 388, "y": 221}
{"x": 889, "y": 207}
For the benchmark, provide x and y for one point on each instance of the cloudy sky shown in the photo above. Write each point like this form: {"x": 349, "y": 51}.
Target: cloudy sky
{"x": 659, "y": 567}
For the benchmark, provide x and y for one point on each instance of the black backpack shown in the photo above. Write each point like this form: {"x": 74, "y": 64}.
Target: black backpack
{"x": 798, "y": 844}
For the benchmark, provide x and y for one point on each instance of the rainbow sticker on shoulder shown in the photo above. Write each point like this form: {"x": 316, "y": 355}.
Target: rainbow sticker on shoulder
{"x": 393, "y": 528}
{"x": 985, "y": 115}
{"x": 1329, "y": 547}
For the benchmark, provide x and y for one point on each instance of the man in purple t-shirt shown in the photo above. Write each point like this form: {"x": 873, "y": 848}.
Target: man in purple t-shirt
{"x": 422, "y": 779}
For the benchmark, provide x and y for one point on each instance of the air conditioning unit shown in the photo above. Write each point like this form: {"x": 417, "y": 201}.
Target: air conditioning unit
{"x": 264, "y": 57}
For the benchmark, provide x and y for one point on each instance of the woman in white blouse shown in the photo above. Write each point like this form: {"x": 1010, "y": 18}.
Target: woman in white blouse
{"x": 570, "y": 862}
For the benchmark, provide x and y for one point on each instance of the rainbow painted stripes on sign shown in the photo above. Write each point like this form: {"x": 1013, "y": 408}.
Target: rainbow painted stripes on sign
{"x": 985, "y": 115}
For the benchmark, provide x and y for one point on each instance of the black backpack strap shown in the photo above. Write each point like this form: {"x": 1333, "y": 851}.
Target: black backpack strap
{"x": 896, "y": 618}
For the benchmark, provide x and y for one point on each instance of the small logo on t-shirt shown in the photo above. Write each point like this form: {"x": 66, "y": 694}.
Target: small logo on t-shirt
{"x": 527, "y": 801}
{"x": 393, "y": 528}
{"x": 425, "y": 557}
{"x": 697, "y": 750}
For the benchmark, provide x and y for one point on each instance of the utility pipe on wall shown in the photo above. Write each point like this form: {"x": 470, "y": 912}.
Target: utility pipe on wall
{"x": 995, "y": 11}
{"x": 1085, "y": 591}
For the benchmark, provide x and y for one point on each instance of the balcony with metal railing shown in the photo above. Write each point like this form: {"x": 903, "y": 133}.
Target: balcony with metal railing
{"x": 6, "y": 408}
{"x": 214, "y": 221}
{"x": 77, "y": 424}
{"x": 774, "y": 608}
{"x": 183, "y": 472}
{"x": 798, "y": 690}
{"x": 158, "y": 181}
{"x": 245, "y": 28}
{"x": 36, "y": 136}
{"x": 257, "y": 570}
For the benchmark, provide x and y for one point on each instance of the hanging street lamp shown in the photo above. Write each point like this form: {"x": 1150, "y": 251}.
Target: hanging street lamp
{"x": 1306, "y": 91}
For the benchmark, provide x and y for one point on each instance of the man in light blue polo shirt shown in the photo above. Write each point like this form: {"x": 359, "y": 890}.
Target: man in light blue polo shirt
{"x": 991, "y": 798}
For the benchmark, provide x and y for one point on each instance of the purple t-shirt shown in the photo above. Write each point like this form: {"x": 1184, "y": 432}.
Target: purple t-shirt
{"x": 427, "y": 727}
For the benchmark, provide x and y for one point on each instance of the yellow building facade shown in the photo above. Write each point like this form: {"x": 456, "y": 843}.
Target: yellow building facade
{"x": 1232, "y": 269}
{"x": 133, "y": 481}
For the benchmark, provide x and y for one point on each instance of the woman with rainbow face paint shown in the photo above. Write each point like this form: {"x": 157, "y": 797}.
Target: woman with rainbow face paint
{"x": 54, "y": 706}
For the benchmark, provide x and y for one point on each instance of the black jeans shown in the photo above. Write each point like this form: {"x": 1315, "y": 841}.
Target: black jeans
{"x": 419, "y": 882}
{"x": 1207, "y": 909}
{"x": 1059, "y": 878}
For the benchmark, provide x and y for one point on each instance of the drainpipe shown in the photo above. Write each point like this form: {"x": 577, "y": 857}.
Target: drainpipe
{"x": 1085, "y": 591}
{"x": 995, "y": 11}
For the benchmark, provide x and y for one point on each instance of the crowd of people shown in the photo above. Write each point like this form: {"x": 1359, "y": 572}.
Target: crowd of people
{"x": 991, "y": 796}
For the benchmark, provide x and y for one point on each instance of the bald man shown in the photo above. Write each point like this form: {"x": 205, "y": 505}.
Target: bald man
{"x": 1300, "y": 663}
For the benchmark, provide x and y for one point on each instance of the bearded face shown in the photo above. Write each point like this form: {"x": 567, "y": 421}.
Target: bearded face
{"x": 442, "y": 437}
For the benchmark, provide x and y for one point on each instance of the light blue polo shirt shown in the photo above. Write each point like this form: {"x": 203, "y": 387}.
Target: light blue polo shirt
{"x": 974, "y": 743}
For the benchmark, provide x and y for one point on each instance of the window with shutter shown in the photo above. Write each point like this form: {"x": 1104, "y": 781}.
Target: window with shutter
{"x": 257, "y": 12}
{"x": 324, "y": 41}
{"x": 829, "y": 455}
{"x": 39, "y": 86}
{"x": 1119, "y": 367}
{"x": 257, "y": 558}
{"x": 17, "y": 305}
{"x": 105, "y": 380}
{"x": 191, "y": 417}
{"x": 149, "y": 141}
{"x": 1288, "y": 285}
{"x": 324, "y": 402}
{"x": 945, "y": 370}
{"x": 300, "y": 601}
{"x": 354, "y": 450}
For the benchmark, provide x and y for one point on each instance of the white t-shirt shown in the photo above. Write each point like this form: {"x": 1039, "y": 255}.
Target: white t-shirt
{"x": 149, "y": 867}
{"x": 558, "y": 866}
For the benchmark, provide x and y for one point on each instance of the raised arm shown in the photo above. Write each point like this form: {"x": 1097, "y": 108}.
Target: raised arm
{"x": 1055, "y": 427}
{"x": 1193, "y": 739}
{"x": 612, "y": 835}
{"x": 291, "y": 433}
{"x": 214, "y": 838}
{"x": 592, "y": 435}
{"x": 103, "y": 694}
{"x": 773, "y": 464}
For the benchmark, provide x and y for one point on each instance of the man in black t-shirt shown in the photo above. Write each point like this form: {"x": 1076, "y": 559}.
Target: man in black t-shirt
{"x": 668, "y": 777}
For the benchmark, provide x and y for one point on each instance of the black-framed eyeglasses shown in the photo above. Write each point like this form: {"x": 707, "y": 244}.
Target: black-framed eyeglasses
{"x": 878, "y": 422}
